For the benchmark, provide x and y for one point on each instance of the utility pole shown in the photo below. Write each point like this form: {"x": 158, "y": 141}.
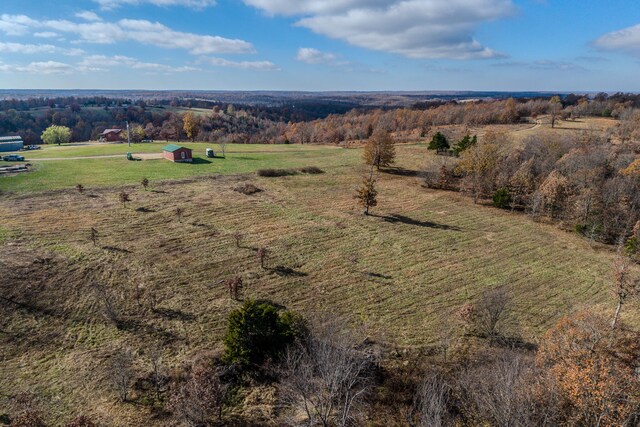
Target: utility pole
{"x": 128, "y": 134}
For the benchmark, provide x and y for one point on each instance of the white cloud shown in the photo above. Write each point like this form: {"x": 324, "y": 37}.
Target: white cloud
{"x": 15, "y": 25}
{"x": 106, "y": 63}
{"x": 142, "y": 31}
{"x": 48, "y": 67}
{"x": 88, "y": 16}
{"x": 245, "y": 65}
{"x": 625, "y": 40}
{"x": 31, "y": 49}
{"x": 46, "y": 34}
{"x": 315, "y": 56}
{"x": 193, "y": 4}
{"x": 413, "y": 28}
{"x": 159, "y": 35}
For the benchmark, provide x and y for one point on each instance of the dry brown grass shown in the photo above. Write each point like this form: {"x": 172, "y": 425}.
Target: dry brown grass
{"x": 402, "y": 272}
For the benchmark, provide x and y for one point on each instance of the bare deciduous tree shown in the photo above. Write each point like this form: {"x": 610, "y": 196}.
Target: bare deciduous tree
{"x": 263, "y": 255}
{"x": 238, "y": 236}
{"x": 158, "y": 378}
{"x": 124, "y": 198}
{"x": 200, "y": 398}
{"x": 105, "y": 300}
{"x": 122, "y": 373}
{"x": 430, "y": 405}
{"x": 625, "y": 285}
{"x": 93, "y": 236}
{"x": 234, "y": 285}
{"x": 327, "y": 377}
{"x": 498, "y": 391}
{"x": 488, "y": 313}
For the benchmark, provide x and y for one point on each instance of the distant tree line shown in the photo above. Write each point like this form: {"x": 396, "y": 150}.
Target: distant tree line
{"x": 302, "y": 122}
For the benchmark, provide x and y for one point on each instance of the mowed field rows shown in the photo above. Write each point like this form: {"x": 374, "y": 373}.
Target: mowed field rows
{"x": 403, "y": 272}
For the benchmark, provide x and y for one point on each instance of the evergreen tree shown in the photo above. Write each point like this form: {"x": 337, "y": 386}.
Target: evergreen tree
{"x": 439, "y": 142}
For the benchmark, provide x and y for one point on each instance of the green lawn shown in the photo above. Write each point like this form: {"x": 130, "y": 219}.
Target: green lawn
{"x": 97, "y": 149}
{"x": 101, "y": 172}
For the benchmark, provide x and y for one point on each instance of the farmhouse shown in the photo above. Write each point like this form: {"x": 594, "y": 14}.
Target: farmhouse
{"x": 176, "y": 153}
{"x": 11, "y": 143}
{"x": 111, "y": 135}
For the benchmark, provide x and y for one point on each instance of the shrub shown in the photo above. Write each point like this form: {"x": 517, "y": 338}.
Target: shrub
{"x": 257, "y": 331}
{"x": 247, "y": 189}
{"x": 312, "y": 170}
{"x": 502, "y": 198}
{"x": 272, "y": 173}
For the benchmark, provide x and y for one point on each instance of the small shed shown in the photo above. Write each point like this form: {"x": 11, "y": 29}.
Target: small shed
{"x": 111, "y": 135}
{"x": 11, "y": 143}
{"x": 177, "y": 153}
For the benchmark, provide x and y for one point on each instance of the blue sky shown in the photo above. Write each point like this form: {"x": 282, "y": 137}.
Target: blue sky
{"x": 554, "y": 45}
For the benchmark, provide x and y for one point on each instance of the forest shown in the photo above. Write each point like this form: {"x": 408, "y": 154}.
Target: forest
{"x": 299, "y": 121}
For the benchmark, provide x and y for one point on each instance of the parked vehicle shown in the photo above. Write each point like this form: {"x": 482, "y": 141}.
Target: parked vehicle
{"x": 32, "y": 147}
{"x": 13, "y": 158}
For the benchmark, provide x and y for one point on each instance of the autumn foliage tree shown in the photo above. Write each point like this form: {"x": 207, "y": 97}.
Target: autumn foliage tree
{"x": 380, "y": 149}
{"x": 191, "y": 125}
{"x": 367, "y": 195}
{"x": 593, "y": 368}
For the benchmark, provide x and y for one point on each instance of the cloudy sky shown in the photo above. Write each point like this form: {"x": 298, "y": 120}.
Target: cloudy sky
{"x": 557, "y": 45}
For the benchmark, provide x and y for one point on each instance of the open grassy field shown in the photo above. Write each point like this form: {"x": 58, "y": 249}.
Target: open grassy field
{"x": 402, "y": 272}
{"x": 66, "y": 166}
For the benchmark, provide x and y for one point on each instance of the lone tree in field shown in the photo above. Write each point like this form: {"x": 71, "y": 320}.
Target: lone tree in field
{"x": 380, "y": 149}
{"x": 191, "y": 124}
{"x": 145, "y": 183}
{"x": 367, "y": 193}
{"x": 124, "y": 198}
{"x": 56, "y": 135}
{"x": 235, "y": 287}
{"x": 80, "y": 188}
{"x": 262, "y": 254}
{"x": 93, "y": 236}
{"x": 237, "y": 237}
{"x": 555, "y": 106}
{"x": 438, "y": 142}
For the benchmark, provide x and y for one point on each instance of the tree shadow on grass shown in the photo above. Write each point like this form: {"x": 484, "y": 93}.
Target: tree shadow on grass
{"x": 401, "y": 172}
{"x": 283, "y": 271}
{"x": 396, "y": 218}
{"x": 172, "y": 314}
{"x": 144, "y": 210}
{"x": 116, "y": 249}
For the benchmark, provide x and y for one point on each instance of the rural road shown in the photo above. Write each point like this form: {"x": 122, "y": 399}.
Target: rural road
{"x": 535, "y": 126}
